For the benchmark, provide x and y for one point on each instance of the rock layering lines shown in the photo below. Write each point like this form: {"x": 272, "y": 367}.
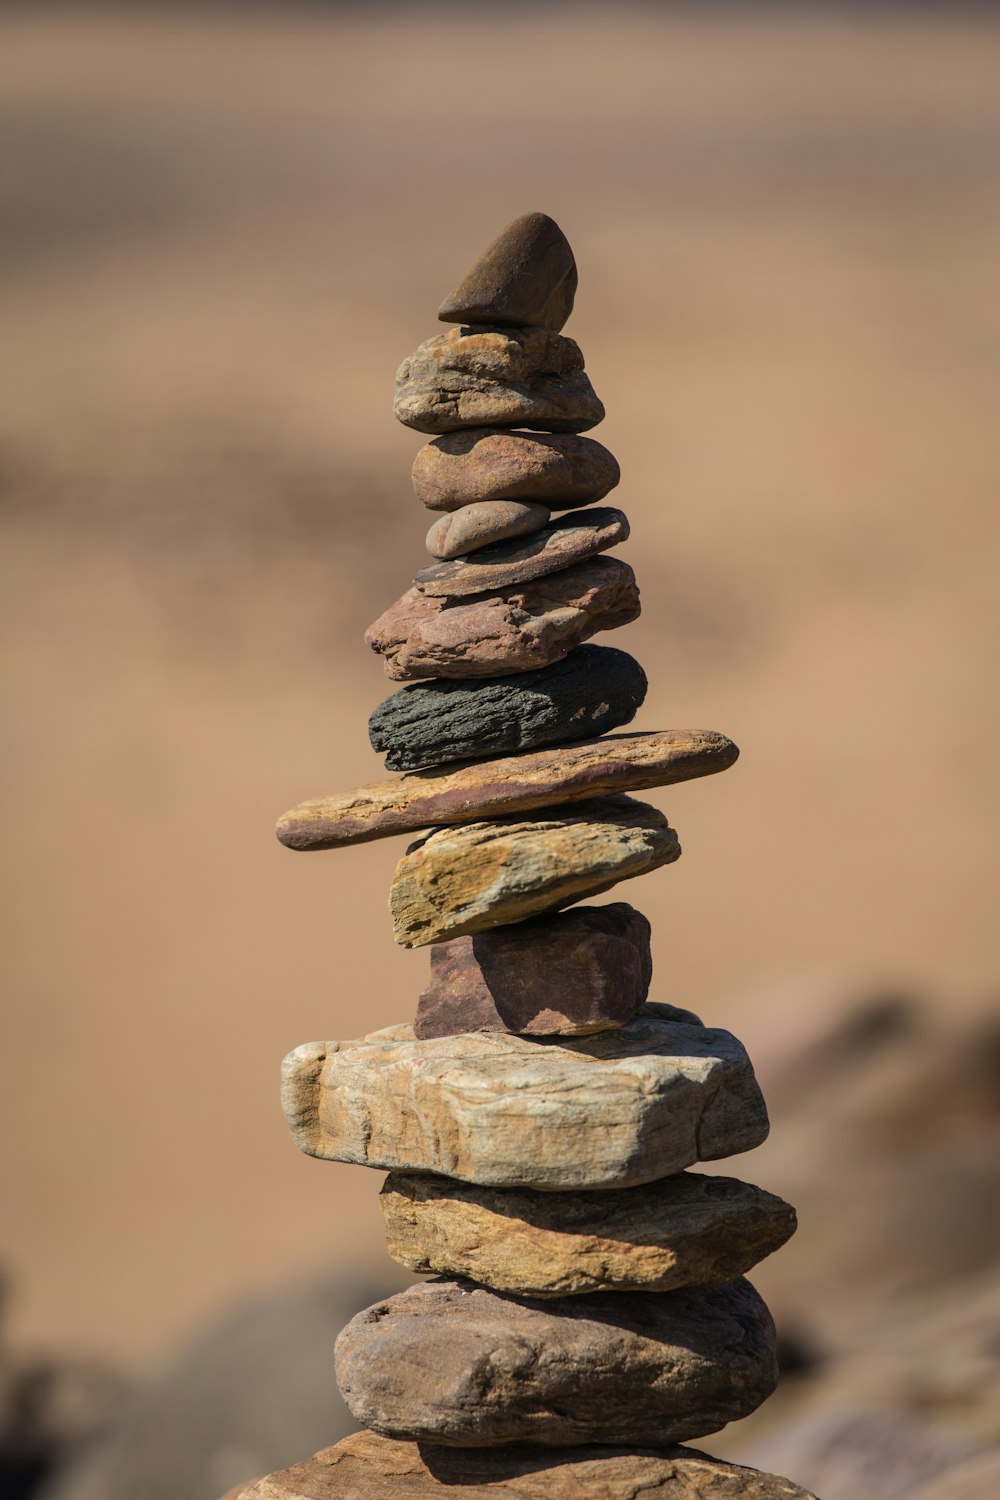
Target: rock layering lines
{"x": 480, "y": 875}
{"x": 378, "y": 1468}
{"x": 567, "y": 540}
{"x": 559, "y": 469}
{"x": 593, "y": 689}
{"x": 454, "y": 1363}
{"x": 517, "y": 629}
{"x": 538, "y": 1117}
{"x": 686, "y": 1230}
{"x": 496, "y": 377}
{"x": 514, "y": 784}
{"x": 607, "y": 1111}
{"x": 581, "y": 971}
{"x": 526, "y": 278}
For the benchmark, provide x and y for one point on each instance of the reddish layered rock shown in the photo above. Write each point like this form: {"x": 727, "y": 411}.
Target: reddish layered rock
{"x": 517, "y": 629}
{"x": 567, "y": 540}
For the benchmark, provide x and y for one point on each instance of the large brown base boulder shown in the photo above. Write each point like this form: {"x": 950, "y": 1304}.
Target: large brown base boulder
{"x": 367, "y": 1467}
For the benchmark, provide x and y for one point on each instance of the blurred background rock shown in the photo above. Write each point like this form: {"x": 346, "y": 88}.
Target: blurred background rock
{"x": 222, "y": 230}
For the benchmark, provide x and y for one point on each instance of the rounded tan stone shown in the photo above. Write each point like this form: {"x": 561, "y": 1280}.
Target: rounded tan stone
{"x": 454, "y": 1363}
{"x": 558, "y": 468}
{"x": 369, "y": 1467}
{"x": 484, "y": 523}
{"x": 685, "y": 1230}
{"x": 480, "y": 875}
{"x": 496, "y": 377}
{"x": 607, "y": 1111}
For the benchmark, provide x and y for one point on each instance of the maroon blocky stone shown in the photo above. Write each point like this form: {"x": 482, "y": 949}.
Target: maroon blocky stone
{"x": 571, "y": 974}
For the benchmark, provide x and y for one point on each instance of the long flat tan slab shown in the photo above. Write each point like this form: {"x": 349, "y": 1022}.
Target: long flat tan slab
{"x": 495, "y": 788}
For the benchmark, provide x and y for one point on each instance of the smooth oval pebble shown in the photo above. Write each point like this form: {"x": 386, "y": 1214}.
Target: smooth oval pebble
{"x": 365, "y": 1466}
{"x": 455, "y": 1363}
{"x": 592, "y": 690}
{"x": 685, "y": 1230}
{"x": 563, "y": 543}
{"x": 481, "y": 875}
{"x": 559, "y": 468}
{"x": 483, "y": 524}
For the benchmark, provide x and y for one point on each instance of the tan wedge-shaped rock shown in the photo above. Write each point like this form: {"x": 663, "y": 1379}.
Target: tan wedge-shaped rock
{"x": 381, "y": 1468}
{"x": 513, "y": 784}
{"x": 481, "y": 875}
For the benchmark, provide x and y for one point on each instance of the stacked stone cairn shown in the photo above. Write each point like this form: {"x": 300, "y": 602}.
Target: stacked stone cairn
{"x": 587, "y": 1310}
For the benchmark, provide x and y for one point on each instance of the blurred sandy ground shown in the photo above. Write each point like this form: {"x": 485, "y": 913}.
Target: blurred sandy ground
{"x": 220, "y": 237}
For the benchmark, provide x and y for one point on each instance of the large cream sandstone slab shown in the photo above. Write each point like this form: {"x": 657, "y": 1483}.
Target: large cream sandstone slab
{"x": 481, "y": 875}
{"x": 368, "y": 1467}
{"x": 451, "y": 1362}
{"x": 606, "y": 1111}
{"x": 513, "y": 784}
{"x": 686, "y": 1230}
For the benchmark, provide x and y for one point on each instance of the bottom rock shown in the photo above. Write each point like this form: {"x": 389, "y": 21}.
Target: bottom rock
{"x": 452, "y": 1362}
{"x": 367, "y": 1467}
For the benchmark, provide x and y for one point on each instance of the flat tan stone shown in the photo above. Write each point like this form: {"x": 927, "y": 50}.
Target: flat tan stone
{"x": 369, "y": 1467}
{"x": 454, "y": 1363}
{"x": 607, "y": 1111}
{"x": 480, "y": 875}
{"x": 513, "y": 784}
{"x": 558, "y": 468}
{"x": 496, "y": 377}
{"x": 686, "y": 1230}
{"x": 517, "y": 629}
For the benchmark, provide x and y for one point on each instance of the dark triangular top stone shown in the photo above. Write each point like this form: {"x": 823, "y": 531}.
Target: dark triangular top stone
{"x": 526, "y": 279}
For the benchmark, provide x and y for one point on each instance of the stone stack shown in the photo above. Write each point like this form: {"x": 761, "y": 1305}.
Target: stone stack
{"x": 587, "y": 1311}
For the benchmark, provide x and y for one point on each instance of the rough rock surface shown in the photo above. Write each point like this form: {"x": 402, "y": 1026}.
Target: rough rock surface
{"x": 518, "y": 629}
{"x": 526, "y": 278}
{"x": 592, "y": 690}
{"x": 568, "y": 539}
{"x": 607, "y": 1111}
{"x": 484, "y": 523}
{"x": 368, "y": 1467}
{"x": 580, "y": 971}
{"x": 496, "y": 377}
{"x": 451, "y": 1362}
{"x": 687, "y": 1230}
{"x": 517, "y": 783}
{"x": 480, "y": 875}
{"x": 558, "y": 468}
